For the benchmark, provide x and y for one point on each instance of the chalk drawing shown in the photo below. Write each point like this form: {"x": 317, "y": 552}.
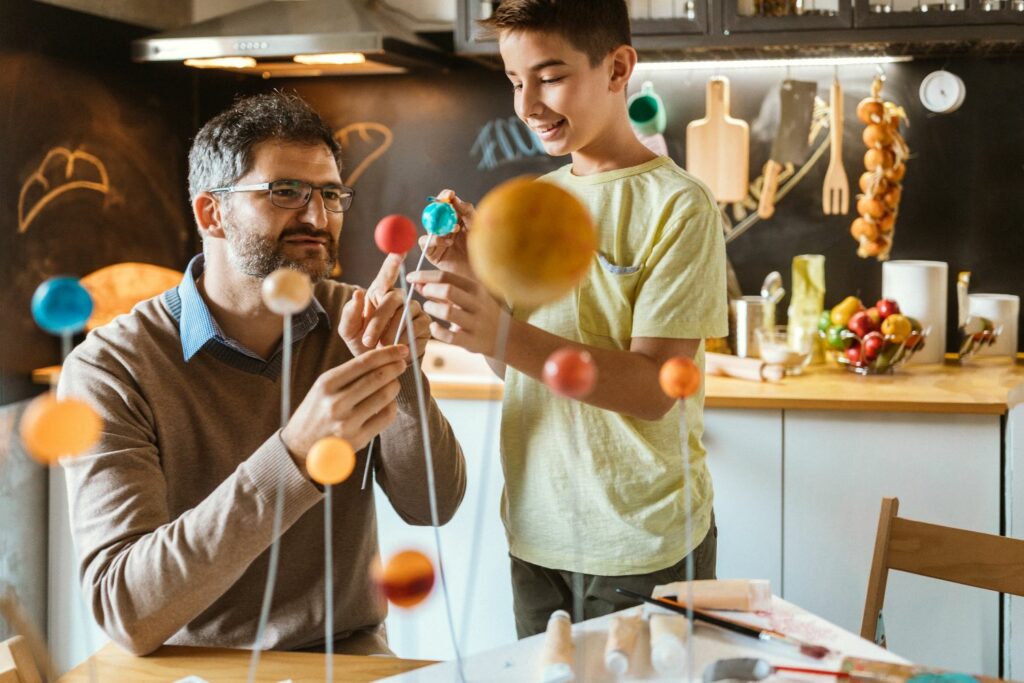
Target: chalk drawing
{"x": 363, "y": 130}
{"x": 504, "y": 141}
{"x": 67, "y": 158}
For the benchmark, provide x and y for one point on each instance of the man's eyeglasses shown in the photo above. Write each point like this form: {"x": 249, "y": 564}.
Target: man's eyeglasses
{"x": 295, "y": 194}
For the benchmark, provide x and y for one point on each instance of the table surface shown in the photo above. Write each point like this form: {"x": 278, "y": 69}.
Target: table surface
{"x": 218, "y": 665}
{"x": 980, "y": 386}
{"x": 520, "y": 661}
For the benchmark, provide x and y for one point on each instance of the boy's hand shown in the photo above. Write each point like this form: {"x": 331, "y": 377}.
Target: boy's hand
{"x": 449, "y": 252}
{"x": 474, "y": 315}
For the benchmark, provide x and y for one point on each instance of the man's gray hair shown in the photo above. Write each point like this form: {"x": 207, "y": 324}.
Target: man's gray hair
{"x": 222, "y": 150}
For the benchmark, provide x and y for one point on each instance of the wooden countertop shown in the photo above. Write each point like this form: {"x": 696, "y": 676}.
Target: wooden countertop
{"x": 981, "y": 386}
{"x": 217, "y": 665}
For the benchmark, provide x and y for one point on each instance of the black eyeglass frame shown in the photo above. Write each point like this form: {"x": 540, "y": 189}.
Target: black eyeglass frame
{"x": 348, "y": 194}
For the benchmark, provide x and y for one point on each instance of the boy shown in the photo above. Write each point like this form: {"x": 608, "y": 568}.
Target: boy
{"x": 611, "y": 464}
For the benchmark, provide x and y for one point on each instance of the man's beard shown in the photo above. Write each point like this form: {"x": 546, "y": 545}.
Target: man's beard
{"x": 258, "y": 256}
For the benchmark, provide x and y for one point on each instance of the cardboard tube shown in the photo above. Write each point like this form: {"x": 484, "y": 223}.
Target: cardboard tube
{"x": 559, "y": 651}
{"x": 742, "y": 368}
{"x": 741, "y": 595}
{"x": 668, "y": 642}
{"x": 621, "y": 640}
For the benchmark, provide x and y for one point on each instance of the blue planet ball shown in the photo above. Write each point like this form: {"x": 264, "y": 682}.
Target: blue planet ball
{"x": 61, "y": 305}
{"x": 439, "y": 218}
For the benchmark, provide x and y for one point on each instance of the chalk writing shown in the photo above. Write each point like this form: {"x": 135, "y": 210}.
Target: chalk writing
{"x": 75, "y": 177}
{"x": 503, "y": 141}
{"x": 368, "y": 132}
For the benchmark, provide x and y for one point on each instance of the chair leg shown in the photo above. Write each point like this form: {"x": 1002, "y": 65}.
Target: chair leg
{"x": 877, "y": 579}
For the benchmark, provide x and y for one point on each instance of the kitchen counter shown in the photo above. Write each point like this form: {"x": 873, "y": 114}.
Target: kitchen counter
{"x": 982, "y": 386}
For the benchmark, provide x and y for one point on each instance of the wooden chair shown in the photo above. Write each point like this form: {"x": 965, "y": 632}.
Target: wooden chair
{"x": 940, "y": 552}
{"x": 16, "y": 663}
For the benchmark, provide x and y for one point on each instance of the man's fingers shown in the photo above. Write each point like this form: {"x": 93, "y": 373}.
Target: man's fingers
{"x": 359, "y": 390}
{"x": 351, "y": 325}
{"x": 374, "y": 403}
{"x": 389, "y": 307}
{"x": 386, "y": 277}
{"x": 337, "y": 378}
{"x": 379, "y": 422}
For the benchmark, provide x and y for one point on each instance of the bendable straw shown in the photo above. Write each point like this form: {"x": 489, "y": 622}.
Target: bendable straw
{"x": 398, "y": 335}
{"x": 275, "y": 546}
{"x": 431, "y": 485}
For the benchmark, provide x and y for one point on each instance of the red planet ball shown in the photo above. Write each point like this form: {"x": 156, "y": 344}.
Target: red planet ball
{"x": 395, "y": 234}
{"x": 407, "y": 578}
{"x": 570, "y": 372}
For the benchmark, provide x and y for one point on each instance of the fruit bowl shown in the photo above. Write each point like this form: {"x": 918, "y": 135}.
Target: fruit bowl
{"x": 892, "y": 353}
{"x": 976, "y": 334}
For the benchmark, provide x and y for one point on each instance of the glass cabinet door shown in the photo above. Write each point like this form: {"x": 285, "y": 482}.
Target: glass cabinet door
{"x": 664, "y": 17}
{"x": 921, "y": 13}
{"x": 786, "y": 15}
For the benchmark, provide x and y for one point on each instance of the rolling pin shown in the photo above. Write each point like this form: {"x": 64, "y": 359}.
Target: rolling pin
{"x": 753, "y": 369}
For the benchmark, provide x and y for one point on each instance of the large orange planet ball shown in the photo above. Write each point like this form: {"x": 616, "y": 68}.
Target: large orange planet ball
{"x": 531, "y": 241}
{"x": 679, "y": 377}
{"x": 53, "y": 428}
{"x": 407, "y": 578}
{"x": 330, "y": 461}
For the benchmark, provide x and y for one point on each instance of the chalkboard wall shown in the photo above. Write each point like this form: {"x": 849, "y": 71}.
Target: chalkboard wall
{"x": 92, "y": 173}
{"x": 962, "y": 199}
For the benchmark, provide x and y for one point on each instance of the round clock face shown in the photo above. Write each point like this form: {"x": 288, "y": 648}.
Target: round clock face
{"x": 942, "y": 92}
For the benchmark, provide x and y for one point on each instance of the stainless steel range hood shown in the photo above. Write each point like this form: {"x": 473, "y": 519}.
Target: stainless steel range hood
{"x": 296, "y": 38}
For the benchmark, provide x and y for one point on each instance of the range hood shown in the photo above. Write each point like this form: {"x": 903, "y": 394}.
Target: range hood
{"x": 296, "y": 38}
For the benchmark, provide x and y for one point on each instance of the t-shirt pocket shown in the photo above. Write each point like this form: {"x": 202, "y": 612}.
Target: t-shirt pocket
{"x": 605, "y": 302}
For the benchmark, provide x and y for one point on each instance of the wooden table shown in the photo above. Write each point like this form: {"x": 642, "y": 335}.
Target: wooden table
{"x": 218, "y": 665}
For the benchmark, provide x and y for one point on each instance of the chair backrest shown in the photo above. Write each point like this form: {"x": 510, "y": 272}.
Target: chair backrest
{"x": 16, "y": 663}
{"x": 940, "y": 552}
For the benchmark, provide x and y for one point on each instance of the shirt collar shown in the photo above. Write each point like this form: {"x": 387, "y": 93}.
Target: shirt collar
{"x": 199, "y": 328}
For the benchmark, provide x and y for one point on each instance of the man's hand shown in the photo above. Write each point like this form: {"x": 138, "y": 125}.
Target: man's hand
{"x": 474, "y": 315}
{"x": 354, "y": 401}
{"x": 449, "y": 252}
{"x": 371, "y": 319}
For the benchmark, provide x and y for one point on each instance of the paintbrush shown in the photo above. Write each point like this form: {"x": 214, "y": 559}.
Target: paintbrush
{"x": 765, "y": 635}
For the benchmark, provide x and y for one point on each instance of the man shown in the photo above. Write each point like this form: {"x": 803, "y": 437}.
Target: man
{"x": 172, "y": 513}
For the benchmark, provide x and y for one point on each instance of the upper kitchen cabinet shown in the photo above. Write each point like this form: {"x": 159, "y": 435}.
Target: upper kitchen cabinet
{"x": 924, "y": 13}
{"x": 785, "y": 15}
{"x": 729, "y": 29}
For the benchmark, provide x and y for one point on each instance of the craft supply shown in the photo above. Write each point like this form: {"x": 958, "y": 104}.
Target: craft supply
{"x": 669, "y": 634}
{"x": 742, "y": 595}
{"x": 742, "y": 368}
{"x": 766, "y": 635}
{"x": 407, "y": 578}
{"x": 53, "y": 428}
{"x": 864, "y": 670}
{"x": 330, "y": 461}
{"x": 559, "y": 650}
{"x": 395, "y": 234}
{"x": 753, "y": 669}
{"x": 621, "y": 641}
{"x": 287, "y": 291}
{"x": 61, "y": 305}
{"x": 439, "y": 217}
{"x": 570, "y": 372}
{"x": 679, "y": 377}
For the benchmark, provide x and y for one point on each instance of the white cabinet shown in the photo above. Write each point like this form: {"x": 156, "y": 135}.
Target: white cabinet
{"x": 945, "y": 469}
{"x": 745, "y": 458}
{"x": 1014, "y": 622}
{"x": 480, "y": 586}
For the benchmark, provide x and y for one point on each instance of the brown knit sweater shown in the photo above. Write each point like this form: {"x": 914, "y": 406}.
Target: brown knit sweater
{"x": 172, "y": 512}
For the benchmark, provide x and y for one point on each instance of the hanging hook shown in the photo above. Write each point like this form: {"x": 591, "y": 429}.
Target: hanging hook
{"x": 881, "y": 71}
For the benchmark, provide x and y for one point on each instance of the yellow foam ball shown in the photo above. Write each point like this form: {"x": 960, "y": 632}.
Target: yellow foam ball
{"x": 531, "y": 241}
{"x": 53, "y": 428}
{"x": 330, "y": 461}
{"x": 287, "y": 291}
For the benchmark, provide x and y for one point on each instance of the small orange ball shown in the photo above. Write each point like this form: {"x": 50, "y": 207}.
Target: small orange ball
{"x": 53, "y": 428}
{"x": 407, "y": 578}
{"x": 330, "y": 461}
{"x": 679, "y": 377}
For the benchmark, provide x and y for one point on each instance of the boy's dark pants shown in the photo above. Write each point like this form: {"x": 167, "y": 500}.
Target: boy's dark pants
{"x": 538, "y": 591}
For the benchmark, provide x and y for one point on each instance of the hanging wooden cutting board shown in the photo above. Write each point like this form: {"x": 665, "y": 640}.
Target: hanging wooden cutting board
{"x": 718, "y": 146}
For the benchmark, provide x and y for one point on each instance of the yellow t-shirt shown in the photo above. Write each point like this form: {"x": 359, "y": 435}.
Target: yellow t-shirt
{"x": 589, "y": 490}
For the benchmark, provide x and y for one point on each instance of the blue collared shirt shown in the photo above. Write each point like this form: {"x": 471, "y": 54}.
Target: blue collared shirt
{"x": 199, "y": 330}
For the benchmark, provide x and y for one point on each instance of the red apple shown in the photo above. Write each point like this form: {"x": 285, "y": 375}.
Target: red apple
{"x": 853, "y": 354}
{"x": 875, "y": 316}
{"x": 872, "y": 345}
{"x": 887, "y": 307}
{"x": 861, "y": 324}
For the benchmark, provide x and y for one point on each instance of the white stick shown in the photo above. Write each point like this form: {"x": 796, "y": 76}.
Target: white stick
{"x": 328, "y": 588}
{"x": 275, "y": 546}
{"x": 398, "y": 335}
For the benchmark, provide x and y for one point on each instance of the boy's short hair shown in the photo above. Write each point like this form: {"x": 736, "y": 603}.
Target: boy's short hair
{"x": 594, "y": 27}
{"x": 222, "y": 150}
